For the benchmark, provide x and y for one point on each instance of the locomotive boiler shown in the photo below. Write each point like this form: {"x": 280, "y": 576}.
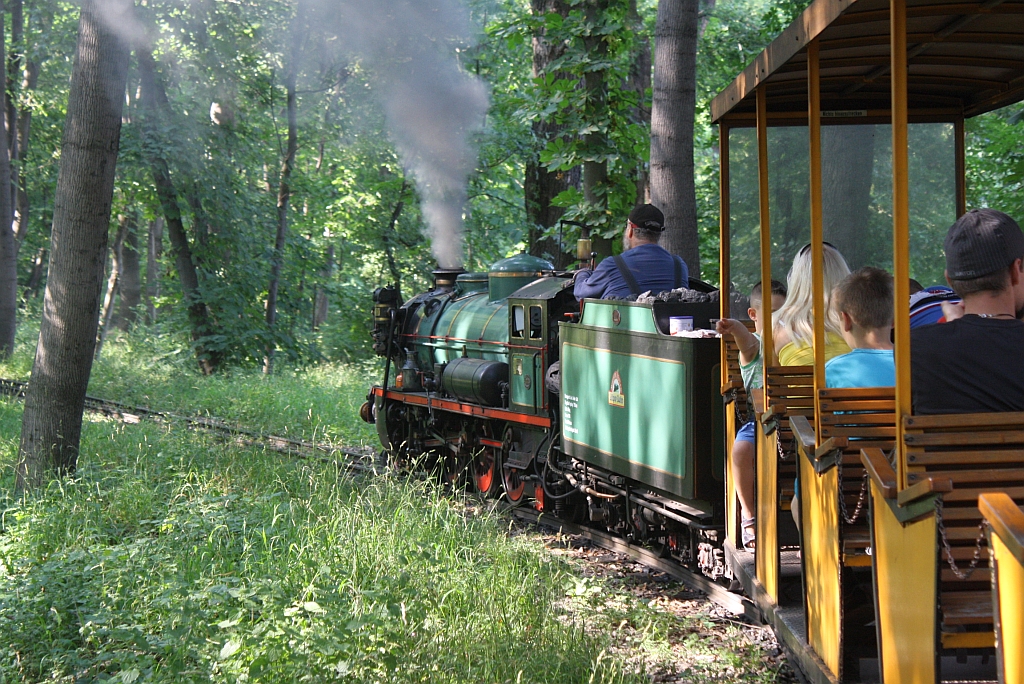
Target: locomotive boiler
{"x": 590, "y": 410}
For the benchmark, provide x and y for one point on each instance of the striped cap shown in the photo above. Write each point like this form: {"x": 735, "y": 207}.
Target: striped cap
{"x": 981, "y": 242}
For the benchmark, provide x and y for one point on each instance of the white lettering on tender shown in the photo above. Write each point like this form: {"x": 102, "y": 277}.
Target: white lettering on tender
{"x": 569, "y": 403}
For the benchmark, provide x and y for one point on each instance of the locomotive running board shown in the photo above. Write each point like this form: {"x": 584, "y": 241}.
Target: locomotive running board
{"x": 424, "y": 399}
{"x": 734, "y": 603}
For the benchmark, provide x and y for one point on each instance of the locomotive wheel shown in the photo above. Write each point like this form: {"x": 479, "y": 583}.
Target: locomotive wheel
{"x": 486, "y": 468}
{"x": 511, "y": 478}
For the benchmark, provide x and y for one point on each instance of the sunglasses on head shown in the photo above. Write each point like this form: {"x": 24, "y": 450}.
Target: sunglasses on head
{"x": 805, "y": 248}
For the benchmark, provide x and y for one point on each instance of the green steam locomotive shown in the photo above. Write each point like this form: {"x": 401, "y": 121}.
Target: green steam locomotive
{"x": 590, "y": 410}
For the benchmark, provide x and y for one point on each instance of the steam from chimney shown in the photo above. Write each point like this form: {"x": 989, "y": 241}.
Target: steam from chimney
{"x": 432, "y": 106}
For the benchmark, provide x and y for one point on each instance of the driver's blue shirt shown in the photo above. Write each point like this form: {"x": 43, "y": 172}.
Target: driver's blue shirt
{"x": 651, "y": 265}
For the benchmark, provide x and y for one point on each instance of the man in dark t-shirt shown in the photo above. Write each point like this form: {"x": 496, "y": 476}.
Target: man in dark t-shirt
{"x": 975, "y": 364}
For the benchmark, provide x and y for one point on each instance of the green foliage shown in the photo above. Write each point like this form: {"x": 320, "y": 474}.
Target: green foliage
{"x": 597, "y": 121}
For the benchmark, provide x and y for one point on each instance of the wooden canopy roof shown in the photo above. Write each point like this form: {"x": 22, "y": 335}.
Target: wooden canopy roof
{"x": 965, "y": 58}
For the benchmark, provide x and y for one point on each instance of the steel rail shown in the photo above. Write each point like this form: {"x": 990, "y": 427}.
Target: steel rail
{"x": 134, "y": 414}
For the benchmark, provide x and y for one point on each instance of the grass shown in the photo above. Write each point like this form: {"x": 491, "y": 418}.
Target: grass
{"x": 171, "y": 556}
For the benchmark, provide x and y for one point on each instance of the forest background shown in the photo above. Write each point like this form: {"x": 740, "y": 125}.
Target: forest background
{"x": 355, "y": 223}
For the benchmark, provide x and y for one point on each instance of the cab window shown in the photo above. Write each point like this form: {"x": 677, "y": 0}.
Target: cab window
{"x": 536, "y": 322}
{"x": 518, "y": 320}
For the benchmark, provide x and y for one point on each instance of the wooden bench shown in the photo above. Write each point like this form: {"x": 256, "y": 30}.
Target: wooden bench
{"x": 833, "y": 512}
{"x": 789, "y": 391}
{"x": 929, "y": 547}
{"x": 1006, "y": 540}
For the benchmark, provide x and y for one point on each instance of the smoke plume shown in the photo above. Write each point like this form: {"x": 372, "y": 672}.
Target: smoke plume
{"x": 432, "y": 106}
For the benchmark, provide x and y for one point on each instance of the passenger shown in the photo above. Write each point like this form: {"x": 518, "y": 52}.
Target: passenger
{"x": 974, "y": 364}
{"x": 793, "y": 329}
{"x": 935, "y": 304}
{"x": 643, "y": 265}
{"x": 864, "y": 302}
{"x": 752, "y": 370}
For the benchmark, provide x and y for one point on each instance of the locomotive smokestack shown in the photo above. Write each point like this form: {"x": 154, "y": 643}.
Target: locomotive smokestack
{"x": 444, "y": 278}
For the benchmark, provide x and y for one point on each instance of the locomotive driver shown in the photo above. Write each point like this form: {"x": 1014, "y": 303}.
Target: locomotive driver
{"x": 643, "y": 266}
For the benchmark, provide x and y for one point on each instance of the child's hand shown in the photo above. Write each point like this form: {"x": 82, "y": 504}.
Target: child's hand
{"x": 728, "y": 326}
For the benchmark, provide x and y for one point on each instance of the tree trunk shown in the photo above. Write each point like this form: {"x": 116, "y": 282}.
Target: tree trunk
{"x": 389, "y": 249}
{"x": 131, "y": 277}
{"x": 541, "y": 186}
{"x": 284, "y": 190}
{"x": 35, "y": 278}
{"x": 154, "y": 250}
{"x": 113, "y": 283}
{"x": 28, "y": 84}
{"x": 595, "y": 174}
{"x": 8, "y": 245}
{"x": 153, "y": 101}
{"x": 640, "y": 82}
{"x": 52, "y": 424}
{"x": 848, "y": 157}
{"x": 321, "y": 303}
{"x": 672, "y": 112}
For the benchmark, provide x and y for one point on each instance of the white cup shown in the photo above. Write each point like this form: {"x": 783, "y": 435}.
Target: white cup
{"x": 677, "y": 324}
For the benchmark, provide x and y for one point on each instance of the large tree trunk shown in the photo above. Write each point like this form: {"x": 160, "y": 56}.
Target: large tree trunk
{"x": 640, "y": 82}
{"x": 595, "y": 173}
{"x": 113, "y": 283}
{"x": 154, "y": 101}
{"x": 21, "y": 207}
{"x": 8, "y": 245}
{"x": 52, "y": 423}
{"x": 154, "y": 250}
{"x": 541, "y": 186}
{"x": 672, "y": 112}
{"x": 848, "y": 157}
{"x": 284, "y": 191}
{"x": 131, "y": 277}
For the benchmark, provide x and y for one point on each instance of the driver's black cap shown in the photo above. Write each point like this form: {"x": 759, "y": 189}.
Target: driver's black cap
{"x": 648, "y": 217}
{"x": 981, "y": 242}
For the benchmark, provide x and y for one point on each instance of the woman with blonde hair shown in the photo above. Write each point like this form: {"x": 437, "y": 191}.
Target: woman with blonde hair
{"x": 793, "y": 328}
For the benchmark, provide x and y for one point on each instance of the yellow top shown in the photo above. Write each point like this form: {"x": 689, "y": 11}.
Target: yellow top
{"x": 803, "y": 355}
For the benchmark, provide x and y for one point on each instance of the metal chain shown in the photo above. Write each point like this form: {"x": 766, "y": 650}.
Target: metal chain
{"x": 861, "y": 498}
{"x": 960, "y": 574}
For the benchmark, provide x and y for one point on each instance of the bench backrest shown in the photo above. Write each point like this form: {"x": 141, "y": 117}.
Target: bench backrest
{"x": 971, "y": 454}
{"x": 733, "y": 388}
{"x": 855, "y": 419}
{"x": 789, "y": 391}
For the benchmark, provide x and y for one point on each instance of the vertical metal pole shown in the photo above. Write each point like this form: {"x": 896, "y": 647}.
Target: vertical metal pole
{"x": 817, "y": 259}
{"x": 961, "y": 168}
{"x": 766, "y": 242}
{"x": 901, "y": 225}
{"x": 724, "y": 231}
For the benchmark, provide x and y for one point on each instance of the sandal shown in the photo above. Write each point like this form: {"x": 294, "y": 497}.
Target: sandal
{"x": 748, "y": 534}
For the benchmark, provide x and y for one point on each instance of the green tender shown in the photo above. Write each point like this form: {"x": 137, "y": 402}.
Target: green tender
{"x": 642, "y": 404}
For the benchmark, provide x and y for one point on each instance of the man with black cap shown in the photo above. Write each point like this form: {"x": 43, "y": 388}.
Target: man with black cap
{"x": 975, "y": 364}
{"x": 643, "y": 265}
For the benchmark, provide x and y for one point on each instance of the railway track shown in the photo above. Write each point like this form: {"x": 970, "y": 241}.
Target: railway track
{"x": 366, "y": 460}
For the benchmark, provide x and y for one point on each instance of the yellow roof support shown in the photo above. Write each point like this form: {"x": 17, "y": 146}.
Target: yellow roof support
{"x": 817, "y": 259}
{"x": 766, "y": 229}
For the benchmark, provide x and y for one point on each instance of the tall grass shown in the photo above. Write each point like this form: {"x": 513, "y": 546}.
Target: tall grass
{"x": 171, "y": 556}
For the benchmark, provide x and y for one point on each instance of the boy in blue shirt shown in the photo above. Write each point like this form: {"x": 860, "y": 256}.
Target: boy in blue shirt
{"x": 864, "y": 302}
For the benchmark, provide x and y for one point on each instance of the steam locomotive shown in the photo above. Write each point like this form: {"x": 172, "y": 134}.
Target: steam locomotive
{"x": 590, "y": 410}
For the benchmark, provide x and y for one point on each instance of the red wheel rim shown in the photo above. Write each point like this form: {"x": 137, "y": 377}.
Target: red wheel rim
{"x": 514, "y": 485}
{"x": 538, "y": 495}
{"x": 483, "y": 472}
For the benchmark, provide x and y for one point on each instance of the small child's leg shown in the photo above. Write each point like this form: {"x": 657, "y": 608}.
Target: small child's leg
{"x": 743, "y": 453}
